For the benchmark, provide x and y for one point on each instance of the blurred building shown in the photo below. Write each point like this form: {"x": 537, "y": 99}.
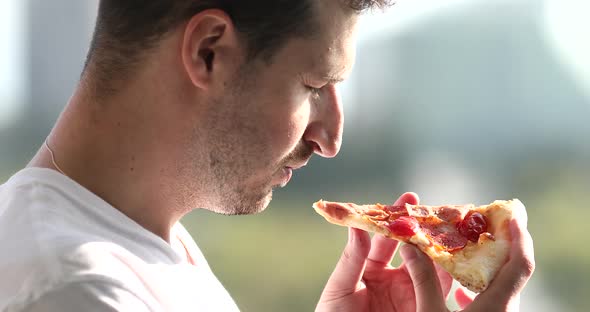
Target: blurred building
{"x": 58, "y": 33}
{"x": 44, "y": 44}
{"x": 13, "y": 60}
{"x": 475, "y": 82}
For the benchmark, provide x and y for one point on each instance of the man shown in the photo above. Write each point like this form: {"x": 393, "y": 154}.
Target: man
{"x": 197, "y": 104}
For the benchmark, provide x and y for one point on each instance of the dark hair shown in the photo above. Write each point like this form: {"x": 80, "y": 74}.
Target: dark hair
{"x": 127, "y": 28}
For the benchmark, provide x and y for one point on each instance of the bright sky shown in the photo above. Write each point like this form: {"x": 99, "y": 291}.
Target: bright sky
{"x": 404, "y": 12}
{"x": 567, "y": 27}
{"x": 12, "y": 59}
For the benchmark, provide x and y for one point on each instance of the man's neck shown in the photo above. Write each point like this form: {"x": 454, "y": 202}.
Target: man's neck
{"x": 108, "y": 154}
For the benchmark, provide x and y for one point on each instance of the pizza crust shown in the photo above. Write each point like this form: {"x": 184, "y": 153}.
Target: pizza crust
{"x": 475, "y": 265}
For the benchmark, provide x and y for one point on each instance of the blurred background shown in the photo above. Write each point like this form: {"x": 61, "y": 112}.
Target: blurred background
{"x": 461, "y": 101}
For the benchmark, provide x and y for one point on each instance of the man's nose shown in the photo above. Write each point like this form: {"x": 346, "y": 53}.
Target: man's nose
{"x": 324, "y": 131}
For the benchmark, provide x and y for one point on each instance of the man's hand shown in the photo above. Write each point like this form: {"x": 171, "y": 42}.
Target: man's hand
{"x": 364, "y": 279}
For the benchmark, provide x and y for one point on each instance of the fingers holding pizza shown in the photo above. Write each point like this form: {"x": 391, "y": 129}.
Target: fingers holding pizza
{"x": 428, "y": 291}
{"x": 362, "y": 258}
{"x": 382, "y": 248}
{"x": 513, "y": 276}
{"x": 474, "y": 244}
{"x": 364, "y": 279}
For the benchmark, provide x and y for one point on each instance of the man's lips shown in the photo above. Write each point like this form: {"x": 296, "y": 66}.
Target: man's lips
{"x": 288, "y": 171}
{"x": 288, "y": 174}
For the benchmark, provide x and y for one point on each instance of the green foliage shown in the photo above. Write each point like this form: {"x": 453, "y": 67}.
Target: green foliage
{"x": 276, "y": 261}
{"x": 558, "y": 211}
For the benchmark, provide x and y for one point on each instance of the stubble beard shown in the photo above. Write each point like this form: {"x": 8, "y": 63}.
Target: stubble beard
{"x": 216, "y": 181}
{"x": 238, "y": 178}
{"x": 239, "y": 198}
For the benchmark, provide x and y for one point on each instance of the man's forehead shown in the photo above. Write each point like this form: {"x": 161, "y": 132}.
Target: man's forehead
{"x": 335, "y": 62}
{"x": 335, "y": 45}
{"x": 329, "y": 52}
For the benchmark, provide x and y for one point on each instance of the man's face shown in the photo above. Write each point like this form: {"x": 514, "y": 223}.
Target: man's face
{"x": 269, "y": 120}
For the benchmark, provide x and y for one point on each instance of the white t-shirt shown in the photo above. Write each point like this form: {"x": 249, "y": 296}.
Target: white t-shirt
{"x": 62, "y": 248}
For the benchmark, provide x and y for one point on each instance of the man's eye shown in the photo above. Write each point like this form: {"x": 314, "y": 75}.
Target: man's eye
{"x": 315, "y": 92}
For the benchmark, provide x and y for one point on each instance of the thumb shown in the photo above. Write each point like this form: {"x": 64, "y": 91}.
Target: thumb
{"x": 349, "y": 270}
{"x": 429, "y": 295}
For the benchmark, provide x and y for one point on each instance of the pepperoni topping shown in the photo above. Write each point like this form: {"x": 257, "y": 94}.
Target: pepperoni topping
{"x": 444, "y": 234}
{"x": 397, "y": 211}
{"x": 442, "y": 225}
{"x": 337, "y": 211}
{"x": 473, "y": 225}
{"x": 449, "y": 213}
{"x": 403, "y": 226}
{"x": 452, "y": 241}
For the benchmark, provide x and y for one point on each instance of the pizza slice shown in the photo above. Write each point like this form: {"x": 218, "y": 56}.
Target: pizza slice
{"x": 471, "y": 243}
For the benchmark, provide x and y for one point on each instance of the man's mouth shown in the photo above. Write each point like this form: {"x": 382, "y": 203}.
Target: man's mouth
{"x": 287, "y": 174}
{"x": 298, "y": 159}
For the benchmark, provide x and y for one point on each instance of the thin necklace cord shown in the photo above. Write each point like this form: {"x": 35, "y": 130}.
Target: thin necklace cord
{"x": 53, "y": 157}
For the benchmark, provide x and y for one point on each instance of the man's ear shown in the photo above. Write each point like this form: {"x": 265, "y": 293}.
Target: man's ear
{"x": 209, "y": 42}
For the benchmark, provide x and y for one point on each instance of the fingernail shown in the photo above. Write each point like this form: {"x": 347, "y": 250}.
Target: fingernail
{"x": 350, "y": 235}
{"x": 520, "y": 215}
{"x": 408, "y": 252}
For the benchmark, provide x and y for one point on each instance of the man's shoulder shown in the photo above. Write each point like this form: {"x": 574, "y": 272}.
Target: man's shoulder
{"x": 37, "y": 225}
{"x": 32, "y": 194}
{"x": 89, "y": 292}
{"x": 44, "y": 213}
{"x": 51, "y": 238}
{"x": 105, "y": 271}
{"x": 99, "y": 266}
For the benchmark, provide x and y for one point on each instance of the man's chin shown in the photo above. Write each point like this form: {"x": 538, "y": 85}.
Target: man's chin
{"x": 245, "y": 206}
{"x": 260, "y": 205}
